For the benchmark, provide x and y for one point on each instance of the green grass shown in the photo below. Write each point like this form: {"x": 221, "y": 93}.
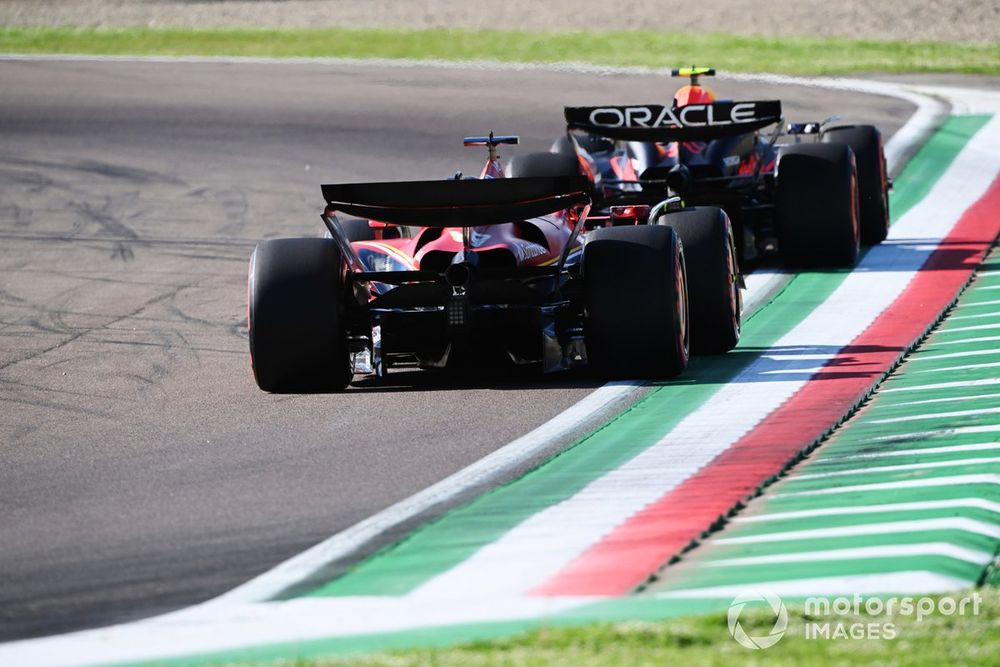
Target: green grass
{"x": 705, "y": 640}
{"x": 795, "y": 55}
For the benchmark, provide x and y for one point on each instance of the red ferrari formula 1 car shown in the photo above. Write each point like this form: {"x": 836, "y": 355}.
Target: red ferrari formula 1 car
{"x": 449, "y": 273}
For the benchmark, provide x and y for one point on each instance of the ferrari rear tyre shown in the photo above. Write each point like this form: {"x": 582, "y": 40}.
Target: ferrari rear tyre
{"x": 713, "y": 277}
{"x": 295, "y": 316}
{"x": 873, "y": 179}
{"x": 636, "y": 302}
{"x": 817, "y": 205}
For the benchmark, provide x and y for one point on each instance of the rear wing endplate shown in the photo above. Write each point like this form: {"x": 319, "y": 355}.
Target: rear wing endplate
{"x": 693, "y": 122}
{"x": 458, "y": 203}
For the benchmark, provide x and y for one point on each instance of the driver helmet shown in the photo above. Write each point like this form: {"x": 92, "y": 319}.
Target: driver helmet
{"x": 693, "y": 94}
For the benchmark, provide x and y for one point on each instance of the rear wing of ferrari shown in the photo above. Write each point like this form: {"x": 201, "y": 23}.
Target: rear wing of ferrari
{"x": 692, "y": 122}
{"x": 458, "y": 203}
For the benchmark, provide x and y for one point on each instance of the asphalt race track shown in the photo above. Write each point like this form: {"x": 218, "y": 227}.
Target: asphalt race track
{"x": 140, "y": 468}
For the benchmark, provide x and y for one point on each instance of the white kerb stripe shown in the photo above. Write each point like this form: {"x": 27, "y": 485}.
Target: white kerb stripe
{"x": 888, "y": 527}
{"x": 878, "y": 470}
{"x": 954, "y": 355}
{"x": 976, "y": 316}
{"x": 977, "y": 327}
{"x": 955, "y": 480}
{"x": 936, "y": 433}
{"x": 847, "y": 510}
{"x": 762, "y": 287}
{"x": 944, "y": 549}
{"x": 943, "y": 385}
{"x": 974, "y": 304}
{"x": 937, "y": 415}
{"x": 946, "y": 399}
{"x": 924, "y": 451}
{"x": 917, "y": 581}
{"x": 965, "y": 341}
{"x": 951, "y": 369}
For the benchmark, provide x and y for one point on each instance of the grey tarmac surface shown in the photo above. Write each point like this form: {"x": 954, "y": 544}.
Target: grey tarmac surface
{"x": 140, "y": 468}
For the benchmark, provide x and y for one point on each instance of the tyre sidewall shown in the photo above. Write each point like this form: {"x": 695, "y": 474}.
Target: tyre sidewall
{"x": 296, "y": 295}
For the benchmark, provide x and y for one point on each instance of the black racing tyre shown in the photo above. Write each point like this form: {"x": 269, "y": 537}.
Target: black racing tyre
{"x": 636, "y": 303}
{"x": 543, "y": 164}
{"x": 295, "y": 316}
{"x": 817, "y": 205}
{"x": 873, "y": 178}
{"x": 713, "y": 277}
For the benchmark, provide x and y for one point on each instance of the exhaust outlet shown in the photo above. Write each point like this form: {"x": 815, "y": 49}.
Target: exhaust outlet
{"x": 459, "y": 275}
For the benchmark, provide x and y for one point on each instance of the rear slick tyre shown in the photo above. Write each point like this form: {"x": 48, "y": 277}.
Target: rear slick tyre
{"x": 295, "y": 316}
{"x": 636, "y": 303}
{"x": 713, "y": 277}
{"x": 873, "y": 179}
{"x": 817, "y": 205}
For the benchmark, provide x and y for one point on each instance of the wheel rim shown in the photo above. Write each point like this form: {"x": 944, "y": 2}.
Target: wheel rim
{"x": 681, "y": 306}
{"x": 735, "y": 296}
{"x": 855, "y": 211}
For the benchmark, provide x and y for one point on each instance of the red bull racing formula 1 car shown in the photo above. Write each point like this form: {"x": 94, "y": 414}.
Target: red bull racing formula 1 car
{"x": 813, "y": 202}
{"x": 442, "y": 274}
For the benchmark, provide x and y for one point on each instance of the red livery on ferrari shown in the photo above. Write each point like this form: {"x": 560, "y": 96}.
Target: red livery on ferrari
{"x": 450, "y": 273}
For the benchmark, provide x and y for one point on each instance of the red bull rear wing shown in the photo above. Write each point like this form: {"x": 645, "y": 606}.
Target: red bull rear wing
{"x": 693, "y": 122}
